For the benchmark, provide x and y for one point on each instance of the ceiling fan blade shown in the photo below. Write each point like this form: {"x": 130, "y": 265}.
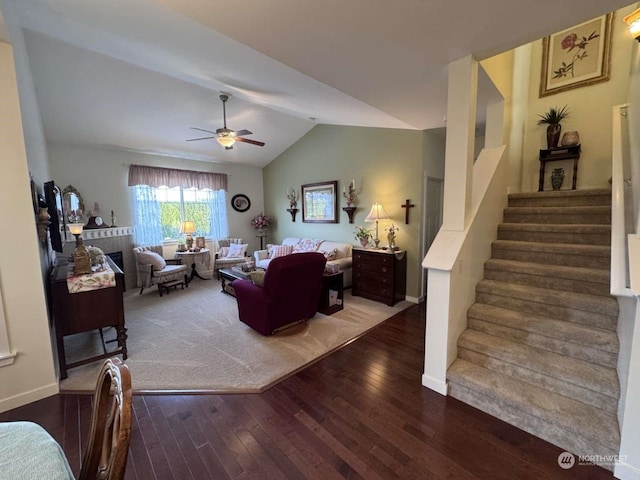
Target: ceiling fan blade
{"x": 203, "y": 138}
{"x": 239, "y": 133}
{"x": 252, "y": 142}
{"x": 202, "y": 130}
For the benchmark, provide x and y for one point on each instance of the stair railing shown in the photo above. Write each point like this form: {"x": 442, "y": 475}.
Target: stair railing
{"x": 621, "y": 204}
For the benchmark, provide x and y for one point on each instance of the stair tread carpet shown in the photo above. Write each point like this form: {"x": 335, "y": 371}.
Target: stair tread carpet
{"x": 565, "y": 249}
{"x": 551, "y": 416}
{"x": 561, "y": 210}
{"x": 582, "y": 274}
{"x": 581, "y": 335}
{"x": 556, "y": 227}
{"x": 573, "y": 371}
{"x": 575, "y": 300}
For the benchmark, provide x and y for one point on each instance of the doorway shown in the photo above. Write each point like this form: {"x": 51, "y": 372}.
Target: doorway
{"x": 434, "y": 190}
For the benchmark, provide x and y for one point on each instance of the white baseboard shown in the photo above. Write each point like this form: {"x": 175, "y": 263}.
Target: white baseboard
{"x": 412, "y": 299}
{"x": 624, "y": 471}
{"x": 434, "y": 384}
{"x": 25, "y": 398}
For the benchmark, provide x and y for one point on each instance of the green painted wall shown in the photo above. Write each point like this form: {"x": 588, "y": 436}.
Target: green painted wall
{"x": 387, "y": 165}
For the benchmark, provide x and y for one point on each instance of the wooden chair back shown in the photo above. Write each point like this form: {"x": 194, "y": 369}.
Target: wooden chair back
{"x": 108, "y": 447}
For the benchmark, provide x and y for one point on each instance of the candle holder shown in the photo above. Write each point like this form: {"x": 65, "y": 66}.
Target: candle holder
{"x": 350, "y": 195}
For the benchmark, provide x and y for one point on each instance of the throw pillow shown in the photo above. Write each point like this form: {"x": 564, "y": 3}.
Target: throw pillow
{"x": 146, "y": 258}
{"x": 306, "y": 245}
{"x": 330, "y": 255}
{"x": 257, "y": 277}
{"x": 280, "y": 250}
{"x": 236, "y": 250}
{"x": 224, "y": 251}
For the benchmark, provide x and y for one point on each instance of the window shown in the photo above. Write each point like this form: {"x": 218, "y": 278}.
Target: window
{"x": 164, "y": 197}
{"x": 160, "y": 211}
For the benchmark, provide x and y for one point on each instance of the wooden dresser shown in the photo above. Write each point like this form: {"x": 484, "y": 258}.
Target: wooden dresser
{"x": 379, "y": 275}
{"x": 85, "y": 311}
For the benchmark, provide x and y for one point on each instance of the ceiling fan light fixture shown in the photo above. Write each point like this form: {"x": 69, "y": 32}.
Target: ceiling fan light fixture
{"x": 226, "y": 141}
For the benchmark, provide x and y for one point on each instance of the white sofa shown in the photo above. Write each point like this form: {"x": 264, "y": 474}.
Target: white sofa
{"x": 341, "y": 258}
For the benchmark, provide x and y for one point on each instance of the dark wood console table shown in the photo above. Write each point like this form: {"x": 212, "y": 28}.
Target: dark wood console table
{"x": 559, "y": 153}
{"x": 86, "y": 311}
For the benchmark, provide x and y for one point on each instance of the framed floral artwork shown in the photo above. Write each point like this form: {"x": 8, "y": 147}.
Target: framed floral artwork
{"x": 577, "y": 56}
{"x": 320, "y": 202}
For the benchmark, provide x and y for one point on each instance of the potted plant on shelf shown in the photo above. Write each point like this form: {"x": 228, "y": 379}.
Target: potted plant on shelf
{"x": 552, "y": 119}
{"x": 363, "y": 235}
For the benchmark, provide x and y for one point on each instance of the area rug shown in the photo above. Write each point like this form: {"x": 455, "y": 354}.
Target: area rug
{"x": 191, "y": 340}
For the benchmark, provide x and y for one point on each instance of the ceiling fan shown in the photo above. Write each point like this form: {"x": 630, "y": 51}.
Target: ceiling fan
{"x": 225, "y": 136}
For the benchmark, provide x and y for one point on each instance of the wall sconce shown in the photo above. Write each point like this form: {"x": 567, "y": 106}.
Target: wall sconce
{"x": 188, "y": 227}
{"x": 81, "y": 259}
{"x": 633, "y": 22}
{"x": 377, "y": 213}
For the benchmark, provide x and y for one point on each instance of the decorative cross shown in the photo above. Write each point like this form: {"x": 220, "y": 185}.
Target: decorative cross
{"x": 407, "y": 205}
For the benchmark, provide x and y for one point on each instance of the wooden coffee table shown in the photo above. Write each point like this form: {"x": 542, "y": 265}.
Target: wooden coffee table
{"x": 228, "y": 276}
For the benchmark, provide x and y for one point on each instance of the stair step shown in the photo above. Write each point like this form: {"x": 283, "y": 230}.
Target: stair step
{"x": 567, "y": 423}
{"x": 590, "y": 344}
{"x": 591, "y": 383}
{"x": 558, "y": 277}
{"x": 595, "y": 197}
{"x": 595, "y": 311}
{"x": 556, "y": 233}
{"x": 590, "y": 256}
{"x": 566, "y": 215}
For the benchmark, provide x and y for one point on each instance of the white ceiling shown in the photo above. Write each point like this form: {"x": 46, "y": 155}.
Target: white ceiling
{"x": 136, "y": 74}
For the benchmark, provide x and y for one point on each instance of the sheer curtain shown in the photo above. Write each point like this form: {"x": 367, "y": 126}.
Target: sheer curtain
{"x": 219, "y": 222}
{"x": 148, "y": 228}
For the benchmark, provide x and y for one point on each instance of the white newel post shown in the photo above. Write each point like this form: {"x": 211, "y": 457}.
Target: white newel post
{"x": 442, "y": 256}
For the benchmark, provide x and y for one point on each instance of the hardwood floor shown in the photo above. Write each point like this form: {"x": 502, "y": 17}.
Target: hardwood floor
{"x": 360, "y": 413}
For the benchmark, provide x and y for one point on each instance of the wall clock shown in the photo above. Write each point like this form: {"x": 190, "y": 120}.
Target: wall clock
{"x": 240, "y": 203}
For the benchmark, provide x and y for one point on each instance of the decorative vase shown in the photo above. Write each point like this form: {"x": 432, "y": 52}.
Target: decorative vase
{"x": 553, "y": 135}
{"x": 557, "y": 177}
{"x": 364, "y": 242}
{"x": 569, "y": 139}
{"x": 43, "y": 223}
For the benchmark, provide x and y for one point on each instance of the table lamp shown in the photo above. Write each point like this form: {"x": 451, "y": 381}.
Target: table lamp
{"x": 81, "y": 259}
{"x": 377, "y": 213}
{"x": 188, "y": 227}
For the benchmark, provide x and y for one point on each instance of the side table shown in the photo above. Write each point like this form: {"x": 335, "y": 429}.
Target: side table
{"x": 332, "y": 293}
{"x": 559, "y": 153}
{"x": 200, "y": 261}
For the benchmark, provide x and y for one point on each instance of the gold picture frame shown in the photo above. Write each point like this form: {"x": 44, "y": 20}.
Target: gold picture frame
{"x": 577, "y": 56}
{"x": 200, "y": 243}
{"x": 320, "y": 202}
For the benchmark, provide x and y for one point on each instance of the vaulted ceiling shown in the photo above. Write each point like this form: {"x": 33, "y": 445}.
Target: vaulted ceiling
{"x": 137, "y": 74}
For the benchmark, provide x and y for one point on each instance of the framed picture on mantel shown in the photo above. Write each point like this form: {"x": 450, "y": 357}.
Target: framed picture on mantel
{"x": 320, "y": 202}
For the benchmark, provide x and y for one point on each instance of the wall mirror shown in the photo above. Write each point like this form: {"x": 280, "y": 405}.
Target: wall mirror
{"x": 72, "y": 204}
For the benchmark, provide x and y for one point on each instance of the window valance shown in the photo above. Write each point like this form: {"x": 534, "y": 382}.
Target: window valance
{"x": 172, "y": 177}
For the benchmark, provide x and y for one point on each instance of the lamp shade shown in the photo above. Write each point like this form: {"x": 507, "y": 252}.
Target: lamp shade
{"x": 188, "y": 227}
{"x": 225, "y": 140}
{"x": 633, "y": 22}
{"x": 75, "y": 228}
{"x": 376, "y": 213}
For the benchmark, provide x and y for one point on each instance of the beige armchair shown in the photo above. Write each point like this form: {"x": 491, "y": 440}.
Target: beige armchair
{"x": 221, "y": 260}
{"x": 153, "y": 269}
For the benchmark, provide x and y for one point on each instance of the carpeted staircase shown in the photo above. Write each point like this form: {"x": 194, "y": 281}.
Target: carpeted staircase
{"x": 541, "y": 347}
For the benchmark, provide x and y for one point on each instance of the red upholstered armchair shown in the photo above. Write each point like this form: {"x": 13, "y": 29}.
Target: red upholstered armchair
{"x": 290, "y": 293}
